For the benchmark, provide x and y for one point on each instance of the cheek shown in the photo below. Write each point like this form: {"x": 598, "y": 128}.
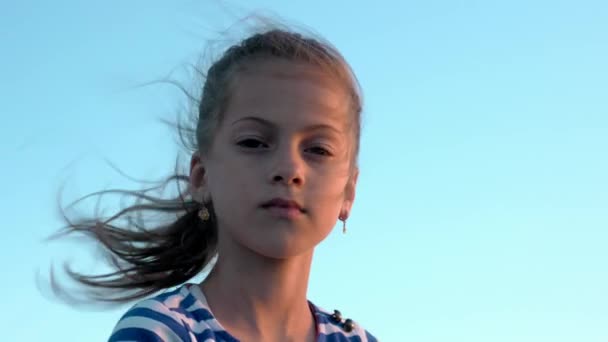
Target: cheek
{"x": 231, "y": 183}
{"x": 232, "y": 200}
{"x": 328, "y": 193}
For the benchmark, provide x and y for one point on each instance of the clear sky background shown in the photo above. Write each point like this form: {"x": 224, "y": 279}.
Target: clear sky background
{"x": 482, "y": 207}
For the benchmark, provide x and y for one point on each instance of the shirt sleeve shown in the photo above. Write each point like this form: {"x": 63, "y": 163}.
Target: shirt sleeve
{"x": 150, "y": 321}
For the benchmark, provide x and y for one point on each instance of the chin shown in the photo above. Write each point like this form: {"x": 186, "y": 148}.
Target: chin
{"x": 278, "y": 248}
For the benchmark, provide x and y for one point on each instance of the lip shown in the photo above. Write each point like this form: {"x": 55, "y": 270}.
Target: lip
{"x": 282, "y": 203}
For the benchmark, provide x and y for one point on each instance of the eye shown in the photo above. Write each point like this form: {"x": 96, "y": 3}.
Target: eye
{"x": 251, "y": 143}
{"x": 320, "y": 151}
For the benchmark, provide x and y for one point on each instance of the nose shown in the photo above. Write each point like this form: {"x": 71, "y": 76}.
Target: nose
{"x": 287, "y": 167}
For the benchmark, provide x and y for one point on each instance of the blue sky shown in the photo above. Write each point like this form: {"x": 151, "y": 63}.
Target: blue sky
{"x": 481, "y": 210}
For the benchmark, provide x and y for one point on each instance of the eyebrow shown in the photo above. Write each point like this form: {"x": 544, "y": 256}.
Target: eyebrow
{"x": 267, "y": 123}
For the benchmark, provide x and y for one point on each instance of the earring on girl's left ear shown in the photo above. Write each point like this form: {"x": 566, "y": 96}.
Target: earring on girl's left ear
{"x": 343, "y": 218}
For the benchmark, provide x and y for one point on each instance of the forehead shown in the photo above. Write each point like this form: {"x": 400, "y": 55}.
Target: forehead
{"x": 287, "y": 91}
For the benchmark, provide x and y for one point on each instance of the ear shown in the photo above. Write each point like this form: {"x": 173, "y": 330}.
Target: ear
{"x": 198, "y": 177}
{"x": 349, "y": 194}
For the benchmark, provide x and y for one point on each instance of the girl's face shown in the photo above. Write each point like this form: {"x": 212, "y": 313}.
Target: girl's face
{"x": 279, "y": 170}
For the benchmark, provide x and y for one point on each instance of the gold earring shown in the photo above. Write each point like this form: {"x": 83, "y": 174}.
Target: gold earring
{"x": 204, "y": 213}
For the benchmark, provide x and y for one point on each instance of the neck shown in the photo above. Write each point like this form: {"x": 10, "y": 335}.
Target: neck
{"x": 259, "y": 298}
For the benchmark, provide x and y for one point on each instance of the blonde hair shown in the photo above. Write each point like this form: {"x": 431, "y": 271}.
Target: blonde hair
{"x": 148, "y": 259}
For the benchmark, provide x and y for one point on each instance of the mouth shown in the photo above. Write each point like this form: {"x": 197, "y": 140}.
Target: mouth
{"x": 283, "y": 204}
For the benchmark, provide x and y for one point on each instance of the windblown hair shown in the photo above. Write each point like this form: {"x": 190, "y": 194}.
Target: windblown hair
{"x": 147, "y": 259}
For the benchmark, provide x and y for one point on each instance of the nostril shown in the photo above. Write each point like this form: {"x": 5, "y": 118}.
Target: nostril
{"x": 288, "y": 180}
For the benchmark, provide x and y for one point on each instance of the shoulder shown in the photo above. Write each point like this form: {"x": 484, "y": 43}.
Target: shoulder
{"x": 335, "y": 327}
{"x": 174, "y": 316}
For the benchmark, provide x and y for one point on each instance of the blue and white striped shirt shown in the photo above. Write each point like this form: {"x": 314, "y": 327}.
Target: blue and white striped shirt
{"x": 183, "y": 315}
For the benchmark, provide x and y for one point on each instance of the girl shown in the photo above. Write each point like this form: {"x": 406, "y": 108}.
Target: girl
{"x": 274, "y": 165}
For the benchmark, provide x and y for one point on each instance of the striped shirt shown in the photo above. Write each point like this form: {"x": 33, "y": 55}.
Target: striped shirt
{"x": 183, "y": 315}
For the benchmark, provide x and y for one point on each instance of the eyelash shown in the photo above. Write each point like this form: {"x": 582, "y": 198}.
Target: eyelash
{"x": 246, "y": 143}
{"x": 324, "y": 152}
